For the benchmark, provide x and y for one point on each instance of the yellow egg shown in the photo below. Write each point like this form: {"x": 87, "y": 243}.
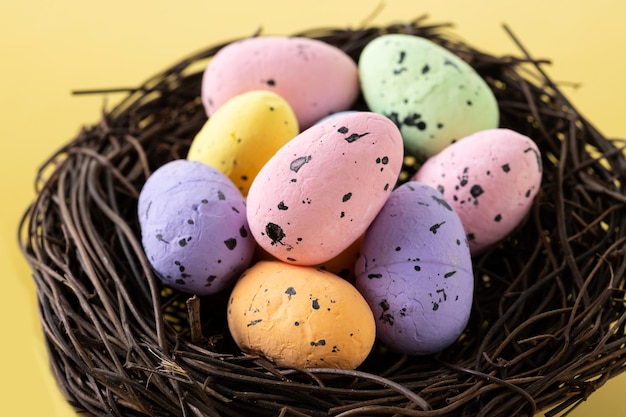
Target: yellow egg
{"x": 302, "y": 317}
{"x": 243, "y": 134}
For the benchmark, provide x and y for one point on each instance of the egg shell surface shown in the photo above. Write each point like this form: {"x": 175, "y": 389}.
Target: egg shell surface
{"x": 300, "y": 317}
{"x": 490, "y": 178}
{"x": 193, "y": 227}
{"x": 432, "y": 95}
{"x": 321, "y": 190}
{"x": 243, "y": 134}
{"x": 415, "y": 271}
{"x": 315, "y": 78}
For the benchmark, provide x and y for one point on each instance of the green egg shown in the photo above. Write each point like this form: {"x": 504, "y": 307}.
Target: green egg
{"x": 433, "y": 96}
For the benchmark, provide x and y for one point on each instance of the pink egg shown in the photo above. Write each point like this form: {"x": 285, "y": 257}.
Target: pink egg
{"x": 321, "y": 190}
{"x": 315, "y": 78}
{"x": 490, "y": 178}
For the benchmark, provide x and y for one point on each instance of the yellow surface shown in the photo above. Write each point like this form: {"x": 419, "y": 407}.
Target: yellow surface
{"x": 48, "y": 49}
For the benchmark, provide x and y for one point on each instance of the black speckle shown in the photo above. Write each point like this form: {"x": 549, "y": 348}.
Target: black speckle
{"x": 282, "y": 206}
{"x": 417, "y": 268}
{"x": 476, "y": 190}
{"x": 297, "y": 323}
{"x": 290, "y": 291}
{"x": 386, "y": 317}
{"x": 435, "y": 306}
{"x": 275, "y": 233}
{"x": 469, "y": 102}
{"x": 506, "y": 168}
{"x": 442, "y": 202}
{"x": 425, "y": 69}
{"x": 399, "y": 70}
{"x": 342, "y": 130}
{"x": 398, "y": 248}
{"x": 234, "y": 209}
{"x": 374, "y": 276}
{"x": 159, "y": 236}
{"x": 204, "y": 201}
{"x": 436, "y": 227}
{"x": 243, "y": 232}
{"x": 315, "y": 304}
{"x": 355, "y": 136}
{"x": 231, "y": 243}
{"x": 320, "y": 342}
{"x": 527, "y": 195}
{"x": 471, "y": 236}
{"x": 498, "y": 217}
{"x": 342, "y": 214}
{"x": 291, "y": 259}
{"x": 346, "y": 197}
{"x": 449, "y": 274}
{"x": 253, "y": 322}
{"x": 297, "y": 163}
{"x": 182, "y": 242}
{"x": 220, "y": 195}
{"x": 412, "y": 119}
{"x": 271, "y": 83}
{"x": 180, "y": 281}
{"x": 402, "y": 55}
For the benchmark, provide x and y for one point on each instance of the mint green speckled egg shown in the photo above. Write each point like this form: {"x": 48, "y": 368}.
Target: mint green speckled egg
{"x": 431, "y": 94}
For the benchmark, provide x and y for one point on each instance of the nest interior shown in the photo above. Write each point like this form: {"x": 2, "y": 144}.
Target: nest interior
{"x": 547, "y": 326}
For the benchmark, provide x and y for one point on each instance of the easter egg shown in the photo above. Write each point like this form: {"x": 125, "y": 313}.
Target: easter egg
{"x": 243, "y": 134}
{"x": 193, "y": 227}
{"x": 314, "y": 77}
{"x": 321, "y": 190}
{"x": 415, "y": 271}
{"x": 490, "y": 178}
{"x": 433, "y": 96}
{"x": 301, "y": 317}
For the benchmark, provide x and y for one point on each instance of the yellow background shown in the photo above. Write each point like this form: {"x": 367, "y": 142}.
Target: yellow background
{"x": 49, "y": 48}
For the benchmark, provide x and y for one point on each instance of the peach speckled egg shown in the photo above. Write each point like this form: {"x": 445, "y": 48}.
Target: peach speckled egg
{"x": 300, "y": 317}
{"x": 321, "y": 190}
{"x": 490, "y": 178}
{"x": 314, "y": 77}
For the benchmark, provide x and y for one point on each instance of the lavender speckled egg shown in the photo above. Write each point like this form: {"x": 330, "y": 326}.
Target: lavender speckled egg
{"x": 415, "y": 271}
{"x": 322, "y": 189}
{"x": 490, "y": 178}
{"x": 314, "y": 77}
{"x": 432, "y": 95}
{"x": 193, "y": 227}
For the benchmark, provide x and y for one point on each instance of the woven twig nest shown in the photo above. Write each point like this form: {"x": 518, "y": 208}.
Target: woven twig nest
{"x": 547, "y": 326}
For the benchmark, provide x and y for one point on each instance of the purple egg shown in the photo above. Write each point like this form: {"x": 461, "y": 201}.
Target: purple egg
{"x": 193, "y": 227}
{"x": 415, "y": 271}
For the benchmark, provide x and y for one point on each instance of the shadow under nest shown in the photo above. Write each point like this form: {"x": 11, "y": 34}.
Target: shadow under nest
{"x": 547, "y": 325}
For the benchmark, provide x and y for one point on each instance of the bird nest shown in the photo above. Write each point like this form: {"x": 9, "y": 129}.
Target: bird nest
{"x": 546, "y": 328}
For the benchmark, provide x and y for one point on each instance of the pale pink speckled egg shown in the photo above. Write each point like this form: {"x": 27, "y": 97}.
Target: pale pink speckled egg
{"x": 315, "y": 78}
{"x": 321, "y": 190}
{"x": 490, "y": 178}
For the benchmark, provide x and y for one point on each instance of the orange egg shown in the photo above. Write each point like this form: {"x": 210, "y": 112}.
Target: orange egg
{"x": 302, "y": 317}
